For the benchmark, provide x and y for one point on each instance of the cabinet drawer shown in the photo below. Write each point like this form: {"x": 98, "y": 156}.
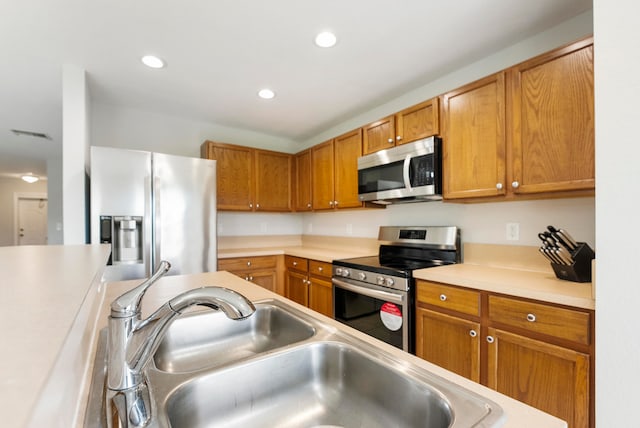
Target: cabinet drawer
{"x": 447, "y": 297}
{"x": 296, "y": 263}
{"x": 244, "y": 263}
{"x": 562, "y": 323}
{"x": 321, "y": 269}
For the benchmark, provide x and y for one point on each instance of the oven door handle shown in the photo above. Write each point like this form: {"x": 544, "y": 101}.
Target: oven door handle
{"x": 376, "y": 294}
{"x": 405, "y": 173}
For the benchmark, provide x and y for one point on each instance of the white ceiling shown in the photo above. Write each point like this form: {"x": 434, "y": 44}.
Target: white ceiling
{"x": 219, "y": 53}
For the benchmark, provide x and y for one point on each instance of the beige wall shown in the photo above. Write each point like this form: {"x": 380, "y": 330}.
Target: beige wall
{"x": 8, "y": 188}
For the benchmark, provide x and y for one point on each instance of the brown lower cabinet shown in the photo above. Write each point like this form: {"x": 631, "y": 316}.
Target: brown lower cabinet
{"x": 538, "y": 353}
{"x": 308, "y": 282}
{"x": 264, "y": 271}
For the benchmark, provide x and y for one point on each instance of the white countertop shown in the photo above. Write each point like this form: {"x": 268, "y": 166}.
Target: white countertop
{"x": 42, "y": 290}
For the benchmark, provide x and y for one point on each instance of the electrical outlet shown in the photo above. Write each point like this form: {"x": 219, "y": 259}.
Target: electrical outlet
{"x": 513, "y": 231}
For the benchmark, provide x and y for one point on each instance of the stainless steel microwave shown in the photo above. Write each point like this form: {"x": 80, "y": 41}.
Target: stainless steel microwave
{"x": 406, "y": 173}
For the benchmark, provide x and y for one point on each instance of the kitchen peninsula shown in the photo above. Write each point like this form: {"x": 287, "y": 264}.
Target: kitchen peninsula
{"x": 61, "y": 304}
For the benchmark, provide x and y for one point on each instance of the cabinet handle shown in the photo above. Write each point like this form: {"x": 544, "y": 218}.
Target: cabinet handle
{"x": 320, "y": 268}
{"x": 473, "y": 333}
{"x": 246, "y": 278}
{"x": 331, "y": 203}
{"x": 335, "y": 204}
{"x": 490, "y": 339}
{"x": 250, "y": 278}
{"x": 390, "y": 140}
{"x": 257, "y": 206}
{"x": 398, "y": 137}
{"x": 295, "y": 263}
{"x": 309, "y": 205}
{"x": 531, "y": 318}
{"x": 250, "y": 205}
{"x": 249, "y": 263}
{"x": 499, "y": 186}
{"x": 443, "y": 297}
{"x": 515, "y": 184}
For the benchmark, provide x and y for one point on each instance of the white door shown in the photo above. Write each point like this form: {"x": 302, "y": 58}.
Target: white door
{"x": 32, "y": 221}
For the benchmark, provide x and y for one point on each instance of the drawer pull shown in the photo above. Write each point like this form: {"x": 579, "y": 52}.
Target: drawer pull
{"x": 248, "y": 263}
{"x": 295, "y": 263}
{"x": 531, "y": 318}
{"x": 473, "y": 333}
{"x": 490, "y": 339}
{"x": 320, "y": 268}
{"x": 443, "y": 297}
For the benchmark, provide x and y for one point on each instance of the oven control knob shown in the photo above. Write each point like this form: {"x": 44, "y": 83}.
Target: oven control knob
{"x": 380, "y": 280}
{"x": 345, "y": 272}
{"x": 362, "y": 276}
{"x": 389, "y": 282}
{"x": 339, "y": 271}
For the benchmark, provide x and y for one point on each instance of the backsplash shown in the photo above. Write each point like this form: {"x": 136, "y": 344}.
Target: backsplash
{"x": 480, "y": 222}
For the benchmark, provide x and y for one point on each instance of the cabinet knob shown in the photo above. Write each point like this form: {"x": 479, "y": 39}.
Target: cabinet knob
{"x": 531, "y": 318}
{"x": 515, "y": 184}
{"x": 398, "y": 137}
{"x": 443, "y": 297}
{"x": 331, "y": 203}
{"x": 309, "y": 205}
{"x": 473, "y": 333}
{"x": 246, "y": 278}
{"x": 335, "y": 203}
{"x": 490, "y": 339}
{"x": 250, "y": 205}
{"x": 295, "y": 263}
{"x": 499, "y": 186}
{"x": 257, "y": 206}
{"x": 250, "y": 278}
{"x": 320, "y": 268}
{"x": 390, "y": 140}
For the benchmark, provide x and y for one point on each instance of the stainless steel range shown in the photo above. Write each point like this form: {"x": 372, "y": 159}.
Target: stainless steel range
{"x": 376, "y": 294}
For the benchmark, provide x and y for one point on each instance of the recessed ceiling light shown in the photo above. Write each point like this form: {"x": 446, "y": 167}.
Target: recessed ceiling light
{"x": 326, "y": 39}
{"x": 152, "y": 61}
{"x": 30, "y": 178}
{"x": 267, "y": 94}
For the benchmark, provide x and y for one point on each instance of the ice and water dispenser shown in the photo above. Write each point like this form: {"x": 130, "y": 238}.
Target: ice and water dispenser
{"x": 124, "y": 233}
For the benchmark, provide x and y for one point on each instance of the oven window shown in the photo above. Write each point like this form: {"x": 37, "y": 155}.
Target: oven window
{"x": 380, "y": 178}
{"x": 378, "y": 318}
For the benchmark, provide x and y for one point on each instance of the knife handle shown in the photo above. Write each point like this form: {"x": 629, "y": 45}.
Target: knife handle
{"x": 568, "y": 237}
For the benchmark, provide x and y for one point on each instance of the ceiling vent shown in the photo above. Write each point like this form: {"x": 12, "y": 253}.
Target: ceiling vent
{"x": 31, "y": 134}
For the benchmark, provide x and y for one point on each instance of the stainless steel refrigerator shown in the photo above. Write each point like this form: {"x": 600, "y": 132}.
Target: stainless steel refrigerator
{"x": 152, "y": 207}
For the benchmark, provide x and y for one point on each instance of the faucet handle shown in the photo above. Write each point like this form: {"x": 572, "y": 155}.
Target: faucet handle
{"x": 128, "y": 304}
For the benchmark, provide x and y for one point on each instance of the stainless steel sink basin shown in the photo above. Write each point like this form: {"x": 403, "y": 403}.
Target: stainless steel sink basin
{"x": 208, "y": 339}
{"x": 322, "y": 384}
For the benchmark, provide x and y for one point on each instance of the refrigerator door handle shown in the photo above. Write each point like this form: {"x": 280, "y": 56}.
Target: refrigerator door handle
{"x": 156, "y": 220}
{"x": 149, "y": 259}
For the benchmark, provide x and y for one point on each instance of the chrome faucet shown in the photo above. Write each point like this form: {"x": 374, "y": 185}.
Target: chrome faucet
{"x": 132, "y": 341}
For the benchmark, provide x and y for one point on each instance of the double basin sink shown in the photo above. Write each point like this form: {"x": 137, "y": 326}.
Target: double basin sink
{"x": 285, "y": 368}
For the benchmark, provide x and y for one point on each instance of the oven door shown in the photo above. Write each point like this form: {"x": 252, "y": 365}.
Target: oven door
{"x": 379, "y": 312}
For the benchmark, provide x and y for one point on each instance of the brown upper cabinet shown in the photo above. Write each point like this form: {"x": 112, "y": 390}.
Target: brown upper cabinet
{"x": 302, "y": 181}
{"x": 410, "y": 124}
{"x": 250, "y": 179}
{"x": 334, "y": 172}
{"x": 553, "y": 121}
{"x": 528, "y": 130}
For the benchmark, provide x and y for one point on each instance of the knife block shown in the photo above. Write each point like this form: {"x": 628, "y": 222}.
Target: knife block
{"x": 580, "y": 270}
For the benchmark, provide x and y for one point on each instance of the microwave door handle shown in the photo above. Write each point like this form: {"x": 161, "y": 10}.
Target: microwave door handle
{"x": 405, "y": 173}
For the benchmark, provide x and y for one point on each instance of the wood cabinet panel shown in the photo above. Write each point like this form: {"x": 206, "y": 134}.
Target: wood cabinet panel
{"x": 234, "y": 172}
{"x": 297, "y": 287}
{"x": 448, "y": 297}
{"x": 321, "y": 269}
{"x": 347, "y": 149}
{"x": 273, "y": 181}
{"x": 321, "y": 296}
{"x": 450, "y": 342}
{"x": 419, "y": 121}
{"x": 379, "y": 135}
{"x": 302, "y": 181}
{"x": 474, "y": 146}
{"x": 551, "y": 378}
{"x": 296, "y": 263}
{"x": 322, "y": 176}
{"x": 243, "y": 263}
{"x": 261, "y": 270}
{"x": 562, "y": 323}
{"x": 553, "y": 121}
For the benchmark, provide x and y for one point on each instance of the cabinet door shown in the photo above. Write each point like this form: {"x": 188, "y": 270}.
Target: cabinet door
{"x": 379, "y": 135}
{"x": 347, "y": 149}
{"x": 450, "y": 342}
{"x": 322, "y": 176}
{"x": 297, "y": 287}
{"x": 321, "y": 296}
{"x": 551, "y": 378}
{"x": 553, "y": 117}
{"x": 234, "y": 170}
{"x": 474, "y": 144}
{"x": 419, "y": 121}
{"x": 273, "y": 181}
{"x": 263, "y": 278}
{"x": 302, "y": 183}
